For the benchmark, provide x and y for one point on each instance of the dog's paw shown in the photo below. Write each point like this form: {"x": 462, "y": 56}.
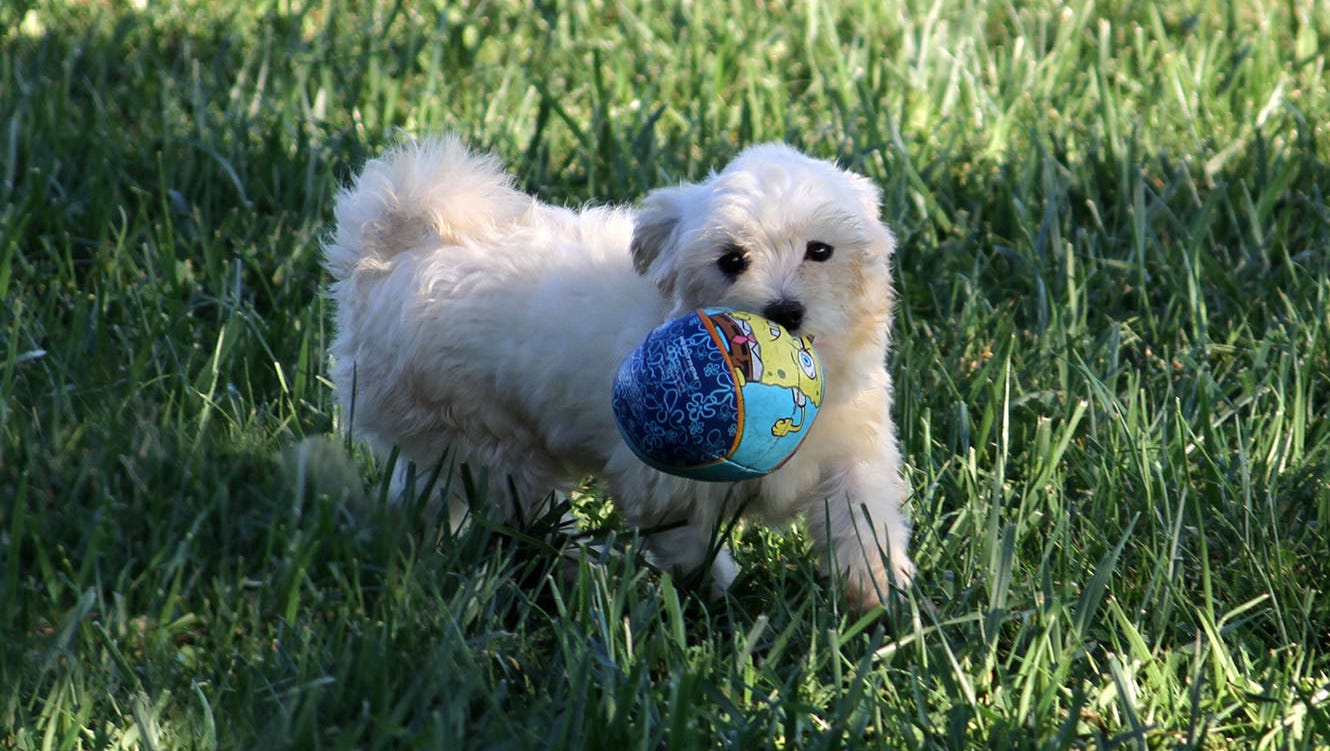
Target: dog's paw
{"x": 867, "y": 588}
{"x": 724, "y": 570}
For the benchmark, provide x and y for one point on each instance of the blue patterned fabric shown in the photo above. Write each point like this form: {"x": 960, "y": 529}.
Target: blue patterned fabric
{"x": 675, "y": 397}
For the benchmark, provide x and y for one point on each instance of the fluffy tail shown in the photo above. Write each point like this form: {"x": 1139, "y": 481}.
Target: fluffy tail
{"x": 416, "y": 193}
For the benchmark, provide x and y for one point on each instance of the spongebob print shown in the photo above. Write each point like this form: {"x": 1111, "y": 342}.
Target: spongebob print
{"x": 763, "y": 352}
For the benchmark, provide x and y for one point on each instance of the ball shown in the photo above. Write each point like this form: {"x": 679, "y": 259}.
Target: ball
{"x": 718, "y": 395}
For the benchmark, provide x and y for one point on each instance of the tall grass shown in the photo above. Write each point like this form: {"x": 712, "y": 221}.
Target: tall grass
{"x": 1112, "y": 359}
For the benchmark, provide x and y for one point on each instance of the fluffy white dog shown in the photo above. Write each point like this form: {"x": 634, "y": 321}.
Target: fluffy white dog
{"x": 475, "y": 322}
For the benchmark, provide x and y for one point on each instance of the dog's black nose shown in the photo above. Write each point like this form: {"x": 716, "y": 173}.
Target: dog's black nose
{"x": 788, "y": 313}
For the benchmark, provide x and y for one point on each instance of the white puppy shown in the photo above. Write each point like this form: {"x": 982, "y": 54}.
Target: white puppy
{"x": 475, "y": 322}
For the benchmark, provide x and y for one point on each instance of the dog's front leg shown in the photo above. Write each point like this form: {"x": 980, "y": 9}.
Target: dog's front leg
{"x": 858, "y": 524}
{"x": 684, "y": 550}
{"x": 681, "y": 519}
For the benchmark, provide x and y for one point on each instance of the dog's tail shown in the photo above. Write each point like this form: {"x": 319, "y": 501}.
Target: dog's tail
{"x": 418, "y": 193}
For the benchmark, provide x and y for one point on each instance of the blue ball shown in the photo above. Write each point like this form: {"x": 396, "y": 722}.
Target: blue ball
{"x": 718, "y": 395}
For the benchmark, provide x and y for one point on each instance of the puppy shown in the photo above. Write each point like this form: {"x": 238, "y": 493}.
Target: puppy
{"x": 476, "y": 323}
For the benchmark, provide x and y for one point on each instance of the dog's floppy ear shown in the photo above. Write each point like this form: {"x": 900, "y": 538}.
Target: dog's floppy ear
{"x": 656, "y": 231}
{"x": 870, "y": 199}
{"x": 870, "y": 195}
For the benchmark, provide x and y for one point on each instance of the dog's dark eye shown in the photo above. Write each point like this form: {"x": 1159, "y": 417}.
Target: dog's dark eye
{"x": 818, "y": 251}
{"x": 733, "y": 262}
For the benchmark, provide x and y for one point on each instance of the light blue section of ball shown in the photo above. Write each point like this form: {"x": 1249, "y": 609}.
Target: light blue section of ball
{"x": 717, "y": 395}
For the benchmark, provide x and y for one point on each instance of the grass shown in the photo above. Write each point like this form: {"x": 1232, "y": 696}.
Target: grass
{"x": 1112, "y": 362}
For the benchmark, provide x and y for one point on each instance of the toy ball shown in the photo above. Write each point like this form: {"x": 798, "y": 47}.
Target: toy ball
{"x": 718, "y": 395}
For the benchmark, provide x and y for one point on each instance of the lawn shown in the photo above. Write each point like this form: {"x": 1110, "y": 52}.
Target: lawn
{"x": 1112, "y": 361}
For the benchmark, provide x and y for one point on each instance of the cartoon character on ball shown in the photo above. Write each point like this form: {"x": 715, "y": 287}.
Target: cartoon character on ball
{"x": 793, "y": 367}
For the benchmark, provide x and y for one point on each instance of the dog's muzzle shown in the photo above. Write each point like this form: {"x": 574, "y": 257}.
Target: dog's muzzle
{"x": 788, "y": 313}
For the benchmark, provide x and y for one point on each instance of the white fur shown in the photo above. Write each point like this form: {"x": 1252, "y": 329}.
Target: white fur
{"x": 473, "y": 319}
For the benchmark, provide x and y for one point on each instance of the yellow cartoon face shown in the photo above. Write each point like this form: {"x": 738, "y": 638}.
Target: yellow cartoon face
{"x": 780, "y": 359}
{"x": 774, "y": 357}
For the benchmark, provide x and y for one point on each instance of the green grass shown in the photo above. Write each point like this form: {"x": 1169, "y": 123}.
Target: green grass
{"x": 1112, "y": 361}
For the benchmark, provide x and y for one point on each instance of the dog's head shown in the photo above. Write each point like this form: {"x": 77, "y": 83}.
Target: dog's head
{"x": 777, "y": 233}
